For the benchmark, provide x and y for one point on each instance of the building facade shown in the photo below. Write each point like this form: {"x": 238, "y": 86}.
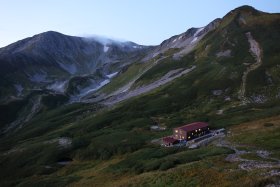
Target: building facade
{"x": 191, "y": 131}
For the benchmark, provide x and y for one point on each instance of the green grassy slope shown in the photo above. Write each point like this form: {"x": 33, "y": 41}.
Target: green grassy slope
{"x": 127, "y": 75}
{"x": 113, "y": 146}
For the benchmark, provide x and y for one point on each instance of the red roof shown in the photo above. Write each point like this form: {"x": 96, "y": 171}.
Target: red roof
{"x": 193, "y": 126}
{"x": 169, "y": 139}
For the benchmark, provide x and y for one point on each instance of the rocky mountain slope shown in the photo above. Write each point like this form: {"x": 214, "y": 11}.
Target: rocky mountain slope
{"x": 49, "y": 60}
{"x": 226, "y": 73}
{"x": 80, "y": 68}
{"x": 227, "y": 56}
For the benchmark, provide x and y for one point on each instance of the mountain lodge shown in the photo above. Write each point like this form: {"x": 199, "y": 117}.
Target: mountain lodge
{"x": 187, "y": 132}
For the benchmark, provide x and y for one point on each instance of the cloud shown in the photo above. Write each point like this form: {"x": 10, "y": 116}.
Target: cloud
{"x": 104, "y": 39}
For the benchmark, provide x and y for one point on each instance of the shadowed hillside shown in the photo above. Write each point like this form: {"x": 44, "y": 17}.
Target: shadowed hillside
{"x": 225, "y": 74}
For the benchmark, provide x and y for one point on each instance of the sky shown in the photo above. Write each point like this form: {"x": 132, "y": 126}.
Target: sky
{"x": 146, "y": 22}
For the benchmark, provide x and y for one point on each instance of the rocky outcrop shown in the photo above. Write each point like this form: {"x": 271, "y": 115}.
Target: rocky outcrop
{"x": 255, "y": 51}
{"x": 184, "y": 42}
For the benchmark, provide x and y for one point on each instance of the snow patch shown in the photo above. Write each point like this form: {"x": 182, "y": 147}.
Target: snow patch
{"x": 137, "y": 47}
{"x": 112, "y": 75}
{"x": 195, "y": 34}
{"x": 106, "y": 48}
{"x": 174, "y": 40}
{"x": 198, "y": 31}
{"x": 58, "y": 86}
{"x": 92, "y": 88}
{"x": 103, "y": 83}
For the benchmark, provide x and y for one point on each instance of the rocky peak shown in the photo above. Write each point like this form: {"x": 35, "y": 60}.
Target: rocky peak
{"x": 243, "y": 11}
{"x": 246, "y": 8}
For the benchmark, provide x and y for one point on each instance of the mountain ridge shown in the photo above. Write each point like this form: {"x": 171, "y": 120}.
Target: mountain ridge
{"x": 107, "y": 138}
{"x": 37, "y": 59}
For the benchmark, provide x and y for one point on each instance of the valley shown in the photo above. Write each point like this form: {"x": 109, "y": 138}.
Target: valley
{"x": 78, "y": 111}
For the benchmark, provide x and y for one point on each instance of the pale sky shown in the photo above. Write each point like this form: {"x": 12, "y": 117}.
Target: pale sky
{"x": 146, "y": 22}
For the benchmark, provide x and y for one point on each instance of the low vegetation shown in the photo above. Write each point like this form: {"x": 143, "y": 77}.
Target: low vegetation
{"x": 112, "y": 146}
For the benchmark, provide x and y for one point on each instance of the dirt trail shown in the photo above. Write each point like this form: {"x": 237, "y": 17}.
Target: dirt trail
{"x": 255, "y": 51}
{"x": 247, "y": 164}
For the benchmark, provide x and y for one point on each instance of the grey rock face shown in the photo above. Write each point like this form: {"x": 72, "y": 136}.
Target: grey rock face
{"x": 44, "y": 59}
{"x": 184, "y": 42}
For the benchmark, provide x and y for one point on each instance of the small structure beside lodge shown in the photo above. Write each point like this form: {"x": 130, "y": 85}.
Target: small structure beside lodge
{"x": 186, "y": 133}
{"x": 169, "y": 141}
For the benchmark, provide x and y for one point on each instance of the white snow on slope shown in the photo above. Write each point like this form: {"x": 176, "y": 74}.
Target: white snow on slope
{"x": 112, "y": 75}
{"x": 58, "y": 86}
{"x": 137, "y": 47}
{"x": 198, "y": 31}
{"x": 195, "y": 34}
{"x": 103, "y": 83}
{"x": 106, "y": 48}
{"x": 93, "y": 88}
